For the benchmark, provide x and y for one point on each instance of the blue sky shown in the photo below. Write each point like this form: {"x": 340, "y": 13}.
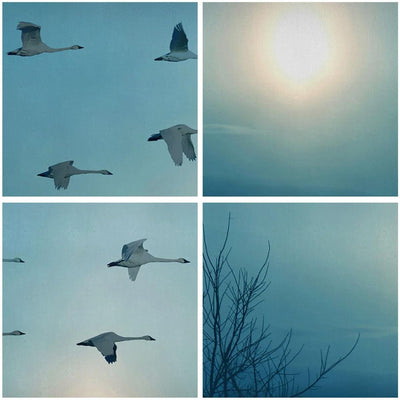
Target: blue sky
{"x": 319, "y": 121}
{"x": 65, "y": 294}
{"x": 333, "y": 273}
{"x": 97, "y": 106}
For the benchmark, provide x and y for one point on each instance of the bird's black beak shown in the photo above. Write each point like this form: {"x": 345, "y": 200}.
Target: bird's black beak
{"x": 22, "y": 333}
{"x": 80, "y": 47}
{"x": 186, "y": 261}
{"x": 42, "y": 174}
{"x": 22, "y": 261}
{"x": 152, "y": 339}
{"x": 81, "y": 344}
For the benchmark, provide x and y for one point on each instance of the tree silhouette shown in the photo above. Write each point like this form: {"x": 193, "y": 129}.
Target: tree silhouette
{"x": 239, "y": 358}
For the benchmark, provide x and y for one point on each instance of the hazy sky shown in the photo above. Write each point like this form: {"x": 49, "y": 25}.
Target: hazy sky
{"x": 98, "y": 106}
{"x": 333, "y": 273}
{"x": 300, "y": 98}
{"x": 65, "y": 293}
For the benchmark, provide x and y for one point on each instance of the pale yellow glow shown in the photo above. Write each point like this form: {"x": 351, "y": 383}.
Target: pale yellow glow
{"x": 299, "y": 56}
{"x": 300, "y": 45}
{"x": 303, "y": 52}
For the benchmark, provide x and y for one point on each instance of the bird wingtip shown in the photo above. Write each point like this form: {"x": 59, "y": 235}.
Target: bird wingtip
{"x": 111, "y": 359}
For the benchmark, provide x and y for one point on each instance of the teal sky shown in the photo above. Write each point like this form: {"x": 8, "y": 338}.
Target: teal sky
{"x": 98, "y": 106}
{"x": 333, "y": 273}
{"x": 300, "y": 99}
{"x": 64, "y": 294}
{"x": 270, "y": 129}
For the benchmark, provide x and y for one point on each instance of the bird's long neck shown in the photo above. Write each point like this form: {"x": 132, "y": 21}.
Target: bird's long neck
{"x": 85, "y": 171}
{"x": 7, "y": 334}
{"x": 124, "y": 338}
{"x": 9, "y": 260}
{"x": 157, "y": 259}
{"x": 51, "y": 50}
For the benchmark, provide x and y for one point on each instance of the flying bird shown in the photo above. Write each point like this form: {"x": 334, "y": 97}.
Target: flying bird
{"x": 178, "y": 47}
{"x": 32, "y": 44}
{"x": 105, "y": 344}
{"x": 13, "y": 333}
{"x": 178, "y": 141}
{"x": 15, "y": 259}
{"x": 134, "y": 255}
{"x": 62, "y": 171}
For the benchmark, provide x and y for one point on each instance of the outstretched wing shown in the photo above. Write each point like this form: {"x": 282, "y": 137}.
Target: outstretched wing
{"x": 60, "y": 182}
{"x": 173, "y": 138}
{"x": 63, "y": 164}
{"x": 188, "y": 148}
{"x": 58, "y": 171}
{"x": 30, "y": 35}
{"x": 133, "y": 271}
{"x": 131, "y": 248}
{"x": 107, "y": 348}
{"x": 179, "y": 40}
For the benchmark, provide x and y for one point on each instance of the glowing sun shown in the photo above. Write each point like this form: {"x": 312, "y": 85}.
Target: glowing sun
{"x": 300, "y": 46}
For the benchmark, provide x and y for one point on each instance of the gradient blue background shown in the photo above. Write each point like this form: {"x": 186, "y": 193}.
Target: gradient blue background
{"x": 333, "y": 273}
{"x": 262, "y": 138}
{"x": 97, "y": 106}
{"x": 65, "y": 293}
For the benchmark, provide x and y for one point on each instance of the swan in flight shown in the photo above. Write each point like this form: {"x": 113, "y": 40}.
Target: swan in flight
{"x": 134, "y": 255}
{"x": 178, "y": 141}
{"x": 105, "y": 344}
{"x": 15, "y": 259}
{"x": 32, "y": 44}
{"x": 178, "y": 47}
{"x": 62, "y": 171}
{"x": 13, "y": 333}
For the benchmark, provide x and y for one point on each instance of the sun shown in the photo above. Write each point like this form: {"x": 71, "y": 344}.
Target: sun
{"x": 300, "y": 45}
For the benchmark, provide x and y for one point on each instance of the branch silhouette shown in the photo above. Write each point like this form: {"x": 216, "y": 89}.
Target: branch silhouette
{"x": 239, "y": 357}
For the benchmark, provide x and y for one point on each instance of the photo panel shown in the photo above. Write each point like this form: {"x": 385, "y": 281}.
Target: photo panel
{"x": 80, "y": 319}
{"x": 300, "y": 99}
{"x": 300, "y": 300}
{"x": 118, "y": 103}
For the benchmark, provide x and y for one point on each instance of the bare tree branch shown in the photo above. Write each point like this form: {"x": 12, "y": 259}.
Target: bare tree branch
{"x": 239, "y": 357}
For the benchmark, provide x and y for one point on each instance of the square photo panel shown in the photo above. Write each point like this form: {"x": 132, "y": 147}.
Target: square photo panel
{"x": 300, "y": 300}
{"x": 97, "y": 298}
{"x": 300, "y": 99}
{"x": 100, "y": 99}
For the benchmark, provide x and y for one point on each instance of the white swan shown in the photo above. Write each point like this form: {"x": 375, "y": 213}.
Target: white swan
{"x": 105, "y": 344}
{"x": 15, "y": 259}
{"x": 178, "y": 141}
{"x": 134, "y": 255}
{"x": 62, "y": 171}
{"x": 32, "y": 43}
{"x": 178, "y": 47}
{"x": 13, "y": 333}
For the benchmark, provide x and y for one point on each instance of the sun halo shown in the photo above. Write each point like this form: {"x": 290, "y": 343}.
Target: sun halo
{"x": 300, "y": 46}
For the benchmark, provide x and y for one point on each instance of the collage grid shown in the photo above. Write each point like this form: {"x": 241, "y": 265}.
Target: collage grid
{"x": 92, "y": 290}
